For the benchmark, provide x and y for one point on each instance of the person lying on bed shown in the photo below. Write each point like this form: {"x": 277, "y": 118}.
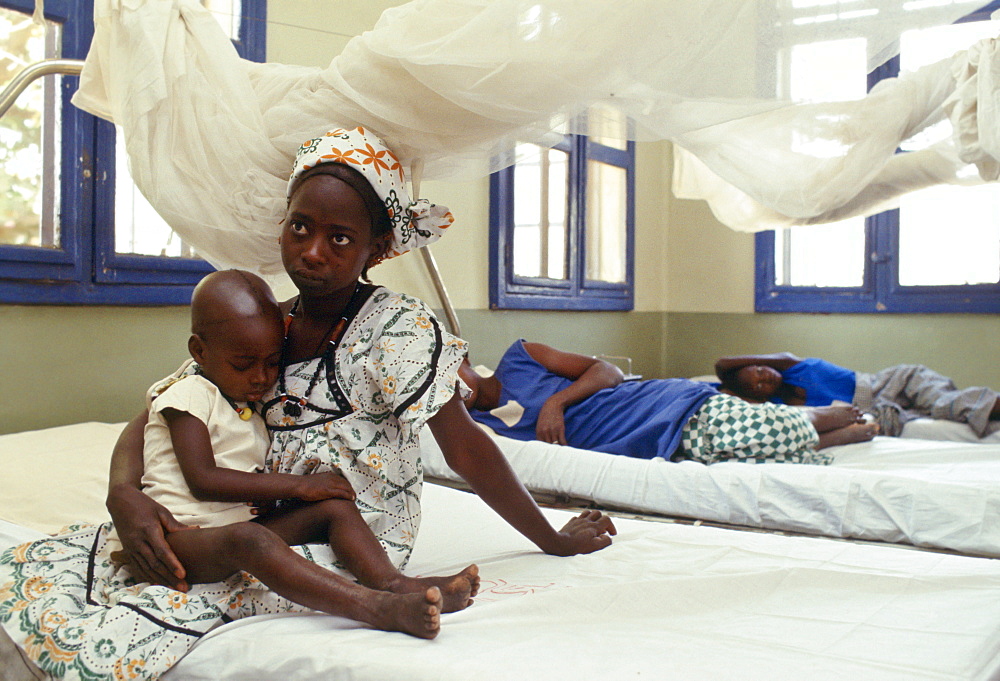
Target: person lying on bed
{"x": 539, "y": 392}
{"x": 204, "y": 450}
{"x": 893, "y": 396}
{"x": 356, "y": 404}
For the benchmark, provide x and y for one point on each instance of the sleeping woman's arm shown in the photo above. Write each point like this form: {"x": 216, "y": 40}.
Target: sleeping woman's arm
{"x": 142, "y": 523}
{"x": 588, "y": 374}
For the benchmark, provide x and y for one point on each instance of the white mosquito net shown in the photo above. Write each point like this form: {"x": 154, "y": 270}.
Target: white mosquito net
{"x": 455, "y": 85}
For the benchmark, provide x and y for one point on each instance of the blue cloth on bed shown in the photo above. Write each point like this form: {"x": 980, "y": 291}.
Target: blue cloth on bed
{"x": 823, "y": 382}
{"x": 641, "y": 419}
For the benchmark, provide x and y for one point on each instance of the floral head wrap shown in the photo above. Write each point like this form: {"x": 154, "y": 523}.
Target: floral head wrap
{"x": 414, "y": 223}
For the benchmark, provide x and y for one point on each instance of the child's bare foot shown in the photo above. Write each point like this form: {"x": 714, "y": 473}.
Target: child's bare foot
{"x": 457, "y": 591}
{"x": 856, "y": 432}
{"x": 417, "y": 614}
{"x": 834, "y": 416}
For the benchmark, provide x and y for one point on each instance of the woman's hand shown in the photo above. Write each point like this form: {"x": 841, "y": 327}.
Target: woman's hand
{"x": 551, "y": 426}
{"x": 474, "y": 455}
{"x": 142, "y": 526}
{"x": 588, "y": 532}
{"x": 320, "y": 486}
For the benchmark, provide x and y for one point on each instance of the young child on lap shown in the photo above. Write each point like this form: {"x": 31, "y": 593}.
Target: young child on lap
{"x": 204, "y": 454}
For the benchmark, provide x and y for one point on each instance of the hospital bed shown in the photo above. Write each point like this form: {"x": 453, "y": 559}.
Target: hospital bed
{"x": 933, "y": 494}
{"x": 666, "y": 600}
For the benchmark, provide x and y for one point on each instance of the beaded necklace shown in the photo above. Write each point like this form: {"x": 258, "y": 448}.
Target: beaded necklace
{"x": 290, "y": 404}
{"x": 245, "y": 413}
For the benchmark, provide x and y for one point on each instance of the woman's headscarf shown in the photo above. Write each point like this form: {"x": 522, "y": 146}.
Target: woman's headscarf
{"x": 414, "y": 223}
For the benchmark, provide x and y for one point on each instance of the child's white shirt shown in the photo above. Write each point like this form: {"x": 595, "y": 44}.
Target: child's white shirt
{"x": 237, "y": 444}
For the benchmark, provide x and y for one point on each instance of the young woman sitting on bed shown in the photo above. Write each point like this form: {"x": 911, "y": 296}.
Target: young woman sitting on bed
{"x": 357, "y": 406}
{"x": 362, "y": 370}
{"x": 539, "y": 392}
{"x": 893, "y": 396}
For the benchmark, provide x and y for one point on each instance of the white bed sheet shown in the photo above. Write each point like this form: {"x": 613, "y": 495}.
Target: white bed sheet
{"x": 930, "y": 494}
{"x": 939, "y": 429}
{"x": 665, "y": 601}
{"x": 942, "y": 495}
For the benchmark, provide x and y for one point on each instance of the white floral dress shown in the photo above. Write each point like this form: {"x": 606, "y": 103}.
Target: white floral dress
{"x": 77, "y": 616}
{"x": 394, "y": 368}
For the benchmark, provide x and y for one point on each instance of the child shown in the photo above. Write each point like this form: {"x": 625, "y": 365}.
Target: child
{"x": 204, "y": 447}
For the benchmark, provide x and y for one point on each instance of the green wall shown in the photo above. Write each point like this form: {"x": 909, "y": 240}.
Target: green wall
{"x": 959, "y": 346}
{"x": 70, "y": 364}
{"x": 637, "y": 335}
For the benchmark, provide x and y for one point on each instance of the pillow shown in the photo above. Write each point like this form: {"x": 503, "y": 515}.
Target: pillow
{"x": 56, "y": 476}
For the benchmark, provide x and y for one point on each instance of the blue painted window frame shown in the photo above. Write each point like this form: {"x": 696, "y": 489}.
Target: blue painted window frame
{"x": 85, "y": 269}
{"x": 509, "y": 291}
{"x": 880, "y": 291}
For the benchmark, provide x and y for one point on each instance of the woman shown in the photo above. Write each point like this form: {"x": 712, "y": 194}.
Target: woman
{"x": 317, "y": 371}
{"x": 894, "y": 395}
{"x": 362, "y": 370}
{"x": 540, "y": 392}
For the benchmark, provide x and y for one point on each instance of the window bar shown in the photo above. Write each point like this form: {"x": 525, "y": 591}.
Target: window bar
{"x": 543, "y": 214}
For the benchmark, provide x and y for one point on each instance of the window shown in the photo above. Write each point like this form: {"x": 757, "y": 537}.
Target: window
{"x": 938, "y": 252}
{"x": 68, "y": 230}
{"x": 561, "y": 224}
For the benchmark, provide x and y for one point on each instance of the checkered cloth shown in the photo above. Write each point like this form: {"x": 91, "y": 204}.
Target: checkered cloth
{"x": 727, "y": 428}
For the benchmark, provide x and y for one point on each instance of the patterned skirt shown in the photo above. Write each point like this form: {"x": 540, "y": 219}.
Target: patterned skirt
{"x": 727, "y": 428}
{"x": 77, "y": 616}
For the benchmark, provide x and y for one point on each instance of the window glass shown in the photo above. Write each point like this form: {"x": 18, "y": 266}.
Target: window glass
{"x": 540, "y": 214}
{"x": 938, "y": 252}
{"x": 815, "y": 255}
{"x": 827, "y": 70}
{"x": 29, "y": 140}
{"x": 227, "y": 13}
{"x": 139, "y": 229}
{"x": 949, "y": 239}
{"x": 73, "y": 227}
{"x": 823, "y": 255}
{"x": 607, "y": 196}
{"x": 948, "y": 236}
{"x": 561, "y": 232}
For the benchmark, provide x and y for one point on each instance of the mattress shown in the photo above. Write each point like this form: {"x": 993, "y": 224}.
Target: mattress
{"x": 934, "y": 494}
{"x": 665, "y": 600}
{"x": 678, "y": 600}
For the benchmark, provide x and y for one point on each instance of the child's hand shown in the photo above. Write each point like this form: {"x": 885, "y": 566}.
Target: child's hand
{"x": 262, "y": 508}
{"x": 319, "y": 486}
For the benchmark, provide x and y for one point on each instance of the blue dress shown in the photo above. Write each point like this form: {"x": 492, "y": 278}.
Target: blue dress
{"x": 641, "y": 419}
{"x": 823, "y": 382}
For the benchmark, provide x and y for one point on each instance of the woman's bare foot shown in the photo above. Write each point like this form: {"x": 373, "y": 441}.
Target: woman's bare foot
{"x": 417, "y": 614}
{"x": 856, "y": 432}
{"x": 830, "y": 418}
{"x": 457, "y": 591}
